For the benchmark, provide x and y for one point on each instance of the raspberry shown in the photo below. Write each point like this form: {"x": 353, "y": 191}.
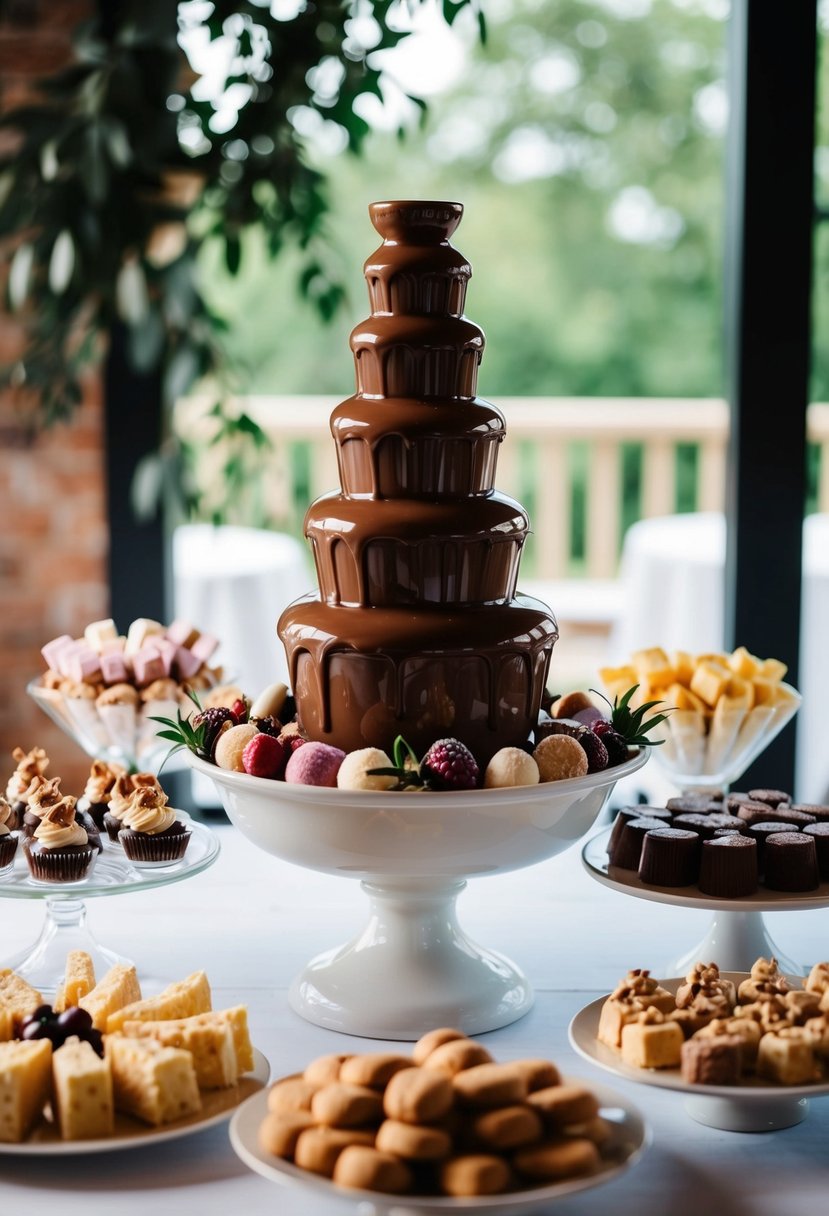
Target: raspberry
{"x": 291, "y": 742}
{"x": 213, "y": 721}
{"x": 615, "y": 744}
{"x": 450, "y": 765}
{"x": 264, "y": 756}
{"x": 595, "y": 750}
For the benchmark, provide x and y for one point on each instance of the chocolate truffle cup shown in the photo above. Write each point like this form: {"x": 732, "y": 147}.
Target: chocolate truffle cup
{"x": 628, "y": 851}
{"x": 67, "y": 865}
{"x": 772, "y": 798}
{"x": 728, "y": 867}
{"x": 791, "y": 862}
{"x": 160, "y": 849}
{"x": 670, "y": 858}
{"x": 761, "y": 833}
{"x": 817, "y": 810}
{"x": 627, "y": 813}
{"x": 820, "y": 834}
{"x": 8, "y": 848}
{"x": 706, "y": 825}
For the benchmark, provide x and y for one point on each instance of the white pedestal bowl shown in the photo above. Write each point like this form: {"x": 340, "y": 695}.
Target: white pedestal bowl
{"x": 412, "y": 968}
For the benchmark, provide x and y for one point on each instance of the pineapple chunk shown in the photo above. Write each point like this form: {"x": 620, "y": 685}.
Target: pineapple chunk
{"x": 765, "y": 691}
{"x": 683, "y": 665}
{"x": 743, "y": 664}
{"x": 119, "y": 987}
{"x": 653, "y": 667}
{"x": 617, "y": 680}
{"x": 180, "y": 1000}
{"x": 739, "y": 693}
{"x": 77, "y": 982}
{"x": 18, "y": 997}
{"x": 681, "y": 697}
{"x": 709, "y": 681}
{"x": 773, "y": 669}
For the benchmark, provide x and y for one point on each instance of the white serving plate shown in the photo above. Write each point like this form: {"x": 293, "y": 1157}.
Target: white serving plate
{"x": 631, "y": 1137}
{"x": 218, "y": 1105}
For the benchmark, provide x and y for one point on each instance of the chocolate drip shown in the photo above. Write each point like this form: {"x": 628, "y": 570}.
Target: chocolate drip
{"x": 417, "y": 630}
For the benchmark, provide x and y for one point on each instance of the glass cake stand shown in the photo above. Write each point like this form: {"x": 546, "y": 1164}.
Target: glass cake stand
{"x": 43, "y": 963}
{"x": 412, "y": 968}
{"x": 737, "y": 934}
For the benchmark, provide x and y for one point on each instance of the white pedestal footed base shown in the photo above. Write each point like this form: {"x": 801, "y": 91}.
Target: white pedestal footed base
{"x": 43, "y": 964}
{"x": 410, "y": 970}
{"x": 734, "y": 940}
{"x": 740, "y": 1115}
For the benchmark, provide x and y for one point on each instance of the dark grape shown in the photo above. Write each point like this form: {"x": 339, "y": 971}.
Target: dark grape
{"x": 43, "y": 1013}
{"x": 37, "y": 1030}
{"x": 74, "y": 1021}
{"x": 96, "y": 1041}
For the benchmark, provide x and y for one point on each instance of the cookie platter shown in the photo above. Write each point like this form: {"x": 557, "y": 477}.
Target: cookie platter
{"x": 630, "y": 1139}
{"x": 737, "y": 933}
{"x": 751, "y": 1106}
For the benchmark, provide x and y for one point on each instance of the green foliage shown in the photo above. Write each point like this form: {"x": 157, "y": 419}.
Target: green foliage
{"x": 124, "y": 170}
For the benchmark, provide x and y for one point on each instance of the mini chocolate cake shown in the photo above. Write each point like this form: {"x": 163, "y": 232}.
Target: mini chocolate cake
{"x": 670, "y": 857}
{"x": 755, "y": 812}
{"x": 727, "y": 832}
{"x": 8, "y": 848}
{"x": 715, "y": 1060}
{"x": 819, "y": 812}
{"x": 693, "y": 804}
{"x": 640, "y": 811}
{"x": 820, "y": 834}
{"x": 628, "y": 850}
{"x": 735, "y": 800}
{"x": 706, "y": 825}
{"x": 762, "y": 831}
{"x": 728, "y": 866}
{"x": 791, "y": 862}
{"x": 772, "y": 798}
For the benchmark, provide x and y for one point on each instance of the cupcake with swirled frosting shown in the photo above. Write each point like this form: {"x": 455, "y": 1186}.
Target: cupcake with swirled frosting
{"x": 8, "y": 838}
{"x": 40, "y": 797}
{"x": 151, "y": 833}
{"x": 30, "y": 765}
{"x": 120, "y": 796}
{"x": 60, "y": 850}
{"x": 98, "y": 789}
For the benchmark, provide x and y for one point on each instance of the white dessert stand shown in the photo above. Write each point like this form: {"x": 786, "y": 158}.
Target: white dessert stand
{"x": 737, "y": 934}
{"x": 43, "y": 963}
{"x": 754, "y": 1106}
{"x": 629, "y": 1138}
{"x": 412, "y": 968}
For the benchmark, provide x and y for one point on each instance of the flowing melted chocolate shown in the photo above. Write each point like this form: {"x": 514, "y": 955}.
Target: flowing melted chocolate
{"x": 417, "y": 629}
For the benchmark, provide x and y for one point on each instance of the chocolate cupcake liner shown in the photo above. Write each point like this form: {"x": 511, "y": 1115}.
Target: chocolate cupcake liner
{"x": 143, "y": 849}
{"x": 60, "y": 867}
{"x": 8, "y": 848}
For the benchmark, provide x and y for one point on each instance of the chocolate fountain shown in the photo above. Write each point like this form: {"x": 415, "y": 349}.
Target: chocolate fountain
{"x": 417, "y": 629}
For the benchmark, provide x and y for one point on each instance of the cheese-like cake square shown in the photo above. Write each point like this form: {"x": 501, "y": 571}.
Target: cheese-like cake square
{"x": 17, "y": 996}
{"x": 82, "y": 1092}
{"x": 652, "y": 1044}
{"x": 154, "y": 1083}
{"x": 207, "y": 1037}
{"x": 118, "y": 988}
{"x": 78, "y": 980}
{"x": 180, "y": 1000}
{"x": 25, "y": 1081}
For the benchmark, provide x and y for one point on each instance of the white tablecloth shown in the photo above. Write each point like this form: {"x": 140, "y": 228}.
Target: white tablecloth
{"x": 253, "y": 921}
{"x": 672, "y": 573}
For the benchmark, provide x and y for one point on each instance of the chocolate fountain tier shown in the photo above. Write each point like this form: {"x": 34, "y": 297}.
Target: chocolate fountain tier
{"x": 408, "y": 447}
{"x": 408, "y": 279}
{"x": 415, "y": 356}
{"x": 415, "y": 222}
{"x": 363, "y": 676}
{"x": 394, "y": 551}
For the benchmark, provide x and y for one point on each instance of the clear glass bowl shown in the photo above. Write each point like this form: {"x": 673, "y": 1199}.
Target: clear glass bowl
{"x": 714, "y": 751}
{"x": 121, "y": 733}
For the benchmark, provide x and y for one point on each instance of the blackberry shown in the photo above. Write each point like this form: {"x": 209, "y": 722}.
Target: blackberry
{"x": 208, "y": 725}
{"x": 615, "y": 744}
{"x": 450, "y": 765}
{"x": 595, "y": 750}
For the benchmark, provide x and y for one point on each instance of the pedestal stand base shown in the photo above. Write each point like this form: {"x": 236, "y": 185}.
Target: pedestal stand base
{"x": 739, "y": 1115}
{"x": 410, "y": 970}
{"x": 43, "y": 964}
{"x": 734, "y": 941}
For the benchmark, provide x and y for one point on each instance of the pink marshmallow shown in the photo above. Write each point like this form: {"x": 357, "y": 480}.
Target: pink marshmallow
{"x": 113, "y": 668}
{"x": 186, "y": 663}
{"x": 314, "y": 764}
{"x": 83, "y": 664}
{"x": 114, "y": 646}
{"x": 147, "y": 665}
{"x": 204, "y": 646}
{"x": 182, "y": 633}
{"x": 53, "y": 650}
{"x": 167, "y": 650}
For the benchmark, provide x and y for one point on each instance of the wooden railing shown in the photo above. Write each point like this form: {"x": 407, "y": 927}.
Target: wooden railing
{"x": 539, "y": 464}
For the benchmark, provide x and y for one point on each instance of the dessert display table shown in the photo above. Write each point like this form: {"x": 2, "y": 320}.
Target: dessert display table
{"x": 252, "y": 921}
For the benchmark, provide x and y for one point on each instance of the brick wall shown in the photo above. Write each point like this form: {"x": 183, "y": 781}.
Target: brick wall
{"x": 53, "y": 537}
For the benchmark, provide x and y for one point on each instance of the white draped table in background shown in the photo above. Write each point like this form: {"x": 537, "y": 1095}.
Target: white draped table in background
{"x": 672, "y": 574}
{"x": 252, "y": 921}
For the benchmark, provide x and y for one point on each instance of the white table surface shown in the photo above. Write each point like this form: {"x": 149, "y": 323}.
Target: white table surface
{"x": 251, "y": 921}
{"x": 673, "y": 577}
